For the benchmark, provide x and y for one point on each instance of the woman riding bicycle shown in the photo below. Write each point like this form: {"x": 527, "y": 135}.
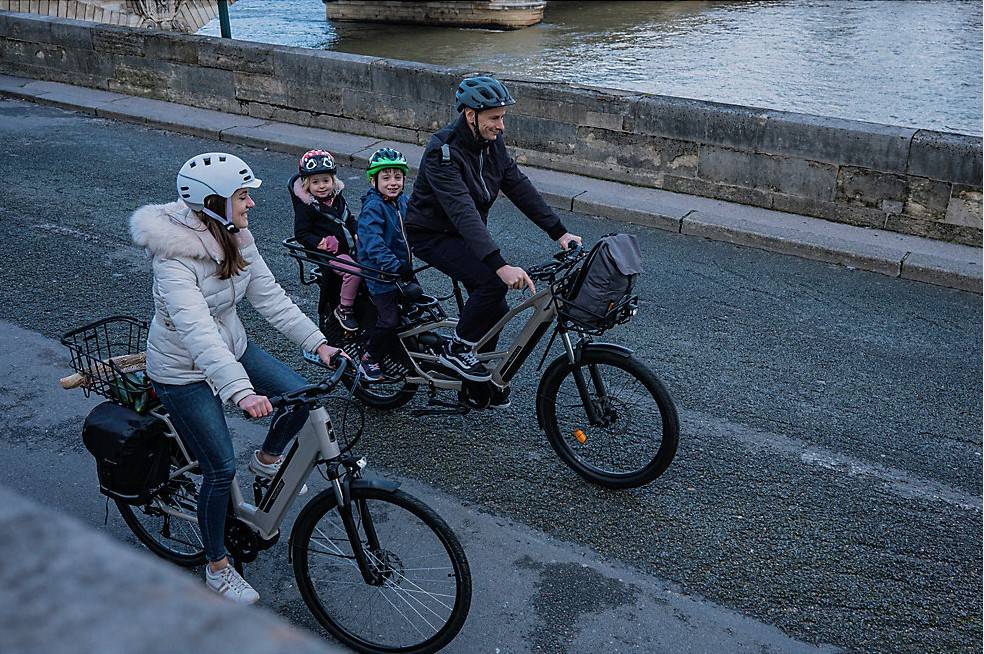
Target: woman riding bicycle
{"x": 198, "y": 357}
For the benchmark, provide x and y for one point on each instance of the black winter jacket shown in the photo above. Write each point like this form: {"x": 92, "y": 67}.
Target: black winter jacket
{"x": 313, "y": 221}
{"x": 454, "y": 196}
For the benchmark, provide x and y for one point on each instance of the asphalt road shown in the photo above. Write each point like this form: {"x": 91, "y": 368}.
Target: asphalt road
{"x": 828, "y": 480}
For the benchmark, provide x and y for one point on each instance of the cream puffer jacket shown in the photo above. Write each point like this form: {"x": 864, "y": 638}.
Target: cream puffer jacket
{"x": 196, "y": 334}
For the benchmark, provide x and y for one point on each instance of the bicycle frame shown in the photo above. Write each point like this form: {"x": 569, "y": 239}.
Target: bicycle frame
{"x": 315, "y": 442}
{"x": 507, "y": 362}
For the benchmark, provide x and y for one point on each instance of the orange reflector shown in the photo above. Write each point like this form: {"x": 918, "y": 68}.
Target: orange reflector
{"x": 581, "y": 437}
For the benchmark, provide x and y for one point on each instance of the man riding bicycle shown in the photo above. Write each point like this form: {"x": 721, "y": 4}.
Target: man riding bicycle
{"x": 464, "y": 167}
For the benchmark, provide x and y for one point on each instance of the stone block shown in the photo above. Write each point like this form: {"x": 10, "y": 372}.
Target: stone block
{"x": 277, "y": 113}
{"x": 71, "y": 34}
{"x": 934, "y": 229}
{"x": 766, "y": 172}
{"x": 637, "y": 151}
{"x": 927, "y": 198}
{"x": 260, "y": 88}
{"x": 169, "y": 46}
{"x": 704, "y": 188}
{"x": 948, "y": 157}
{"x": 861, "y": 187}
{"x": 68, "y": 96}
{"x": 856, "y": 215}
{"x": 414, "y": 81}
{"x": 209, "y": 88}
{"x": 235, "y": 55}
{"x": 13, "y": 84}
{"x": 798, "y": 236}
{"x": 695, "y": 120}
{"x": 315, "y": 74}
{"x": 597, "y": 169}
{"x": 31, "y": 29}
{"x": 572, "y": 104}
{"x": 530, "y": 132}
{"x": 71, "y": 588}
{"x": 835, "y": 140}
{"x": 174, "y": 117}
{"x": 119, "y": 40}
{"x": 963, "y": 273}
{"x": 392, "y": 110}
{"x": 149, "y": 81}
{"x": 964, "y": 207}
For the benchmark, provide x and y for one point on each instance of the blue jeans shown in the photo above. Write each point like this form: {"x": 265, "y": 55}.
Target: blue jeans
{"x": 197, "y": 416}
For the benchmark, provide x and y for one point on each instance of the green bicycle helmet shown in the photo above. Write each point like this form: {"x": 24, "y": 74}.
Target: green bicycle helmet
{"x": 480, "y": 93}
{"x": 384, "y": 158}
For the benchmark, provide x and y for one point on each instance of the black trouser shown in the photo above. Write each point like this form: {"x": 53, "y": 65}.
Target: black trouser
{"x": 486, "y": 292}
{"x": 383, "y": 336}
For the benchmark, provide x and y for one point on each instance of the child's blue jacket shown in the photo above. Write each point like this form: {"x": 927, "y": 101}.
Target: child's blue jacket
{"x": 382, "y": 241}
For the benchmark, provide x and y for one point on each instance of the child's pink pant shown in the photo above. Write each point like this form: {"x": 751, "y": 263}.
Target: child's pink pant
{"x": 350, "y": 279}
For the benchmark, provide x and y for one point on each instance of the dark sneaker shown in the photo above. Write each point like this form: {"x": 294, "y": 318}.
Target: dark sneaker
{"x": 500, "y": 398}
{"x": 346, "y": 318}
{"x": 371, "y": 371}
{"x": 461, "y": 359}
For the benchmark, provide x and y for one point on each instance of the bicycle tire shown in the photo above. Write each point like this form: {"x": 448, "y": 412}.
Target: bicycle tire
{"x": 382, "y": 396}
{"x": 179, "y": 493}
{"x": 389, "y": 510}
{"x": 653, "y": 459}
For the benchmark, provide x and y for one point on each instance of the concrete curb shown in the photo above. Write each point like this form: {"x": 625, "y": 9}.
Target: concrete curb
{"x": 889, "y": 253}
{"x": 64, "y": 588}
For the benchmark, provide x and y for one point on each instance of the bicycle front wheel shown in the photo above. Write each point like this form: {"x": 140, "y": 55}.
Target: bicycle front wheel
{"x": 420, "y": 591}
{"x": 168, "y": 524}
{"x": 633, "y": 436}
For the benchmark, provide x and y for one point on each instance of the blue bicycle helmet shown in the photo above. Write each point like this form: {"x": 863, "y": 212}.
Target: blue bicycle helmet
{"x": 480, "y": 93}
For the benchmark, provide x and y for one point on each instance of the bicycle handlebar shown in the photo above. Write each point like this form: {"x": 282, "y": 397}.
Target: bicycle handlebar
{"x": 563, "y": 259}
{"x": 313, "y": 392}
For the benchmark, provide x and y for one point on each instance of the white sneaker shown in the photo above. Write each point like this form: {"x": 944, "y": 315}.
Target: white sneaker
{"x": 229, "y": 584}
{"x": 268, "y": 470}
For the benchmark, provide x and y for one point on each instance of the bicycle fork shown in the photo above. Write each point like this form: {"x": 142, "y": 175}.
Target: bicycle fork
{"x": 601, "y": 393}
{"x": 371, "y": 572}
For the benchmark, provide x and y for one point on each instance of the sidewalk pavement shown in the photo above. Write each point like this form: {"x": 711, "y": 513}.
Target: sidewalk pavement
{"x": 889, "y": 253}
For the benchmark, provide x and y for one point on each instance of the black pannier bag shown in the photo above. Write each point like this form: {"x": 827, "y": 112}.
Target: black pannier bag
{"x": 131, "y": 452}
{"x": 604, "y": 284}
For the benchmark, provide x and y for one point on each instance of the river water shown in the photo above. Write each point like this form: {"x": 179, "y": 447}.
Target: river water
{"x": 911, "y": 63}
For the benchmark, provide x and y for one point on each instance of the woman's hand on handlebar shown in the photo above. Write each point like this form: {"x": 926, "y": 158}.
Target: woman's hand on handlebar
{"x": 568, "y": 238}
{"x": 256, "y": 406}
{"x": 327, "y": 354}
{"x": 515, "y": 277}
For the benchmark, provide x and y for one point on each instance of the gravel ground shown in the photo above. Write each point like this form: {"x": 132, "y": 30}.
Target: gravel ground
{"x": 828, "y": 479}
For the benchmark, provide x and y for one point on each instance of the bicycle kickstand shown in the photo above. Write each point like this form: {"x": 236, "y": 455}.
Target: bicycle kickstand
{"x": 448, "y": 408}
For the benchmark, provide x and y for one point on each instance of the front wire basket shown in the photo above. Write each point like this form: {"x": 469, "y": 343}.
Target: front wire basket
{"x": 109, "y": 356}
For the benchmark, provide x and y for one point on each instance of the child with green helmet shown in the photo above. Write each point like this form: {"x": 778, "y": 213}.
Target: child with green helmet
{"x": 383, "y": 246}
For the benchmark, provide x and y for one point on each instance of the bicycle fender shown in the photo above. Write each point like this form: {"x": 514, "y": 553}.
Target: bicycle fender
{"x": 378, "y": 483}
{"x": 562, "y": 362}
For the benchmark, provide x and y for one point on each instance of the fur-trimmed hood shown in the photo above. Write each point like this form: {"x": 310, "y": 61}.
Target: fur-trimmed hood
{"x": 173, "y": 230}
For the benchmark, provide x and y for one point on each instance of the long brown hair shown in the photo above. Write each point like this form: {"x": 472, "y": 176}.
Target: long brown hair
{"x": 233, "y": 262}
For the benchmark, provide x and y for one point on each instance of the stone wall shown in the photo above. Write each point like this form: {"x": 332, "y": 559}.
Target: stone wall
{"x": 907, "y": 180}
{"x": 68, "y": 589}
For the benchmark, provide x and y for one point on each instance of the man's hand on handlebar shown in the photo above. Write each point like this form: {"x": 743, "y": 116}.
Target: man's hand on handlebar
{"x": 327, "y": 354}
{"x": 256, "y": 406}
{"x": 568, "y": 238}
{"x": 515, "y": 277}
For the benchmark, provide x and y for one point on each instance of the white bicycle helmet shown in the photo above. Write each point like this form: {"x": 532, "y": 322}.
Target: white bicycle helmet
{"x": 213, "y": 173}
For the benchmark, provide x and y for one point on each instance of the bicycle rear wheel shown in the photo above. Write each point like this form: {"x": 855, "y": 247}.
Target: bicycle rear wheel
{"x": 635, "y": 436}
{"x": 177, "y": 539}
{"x": 422, "y": 589}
